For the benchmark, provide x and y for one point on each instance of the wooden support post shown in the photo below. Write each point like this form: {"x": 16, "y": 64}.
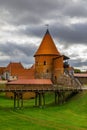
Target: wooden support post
{"x": 55, "y": 97}
{"x": 21, "y": 97}
{"x": 43, "y": 95}
{"x": 18, "y": 99}
{"x": 59, "y": 97}
{"x": 14, "y": 100}
{"x": 36, "y": 96}
{"x": 63, "y": 97}
{"x": 40, "y": 101}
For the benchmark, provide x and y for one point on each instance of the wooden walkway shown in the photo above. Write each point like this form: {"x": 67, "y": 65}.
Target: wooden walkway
{"x": 49, "y": 89}
{"x": 43, "y": 89}
{"x": 59, "y": 93}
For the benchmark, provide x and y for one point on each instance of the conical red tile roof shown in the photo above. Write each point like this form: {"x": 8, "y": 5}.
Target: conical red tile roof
{"x": 47, "y": 46}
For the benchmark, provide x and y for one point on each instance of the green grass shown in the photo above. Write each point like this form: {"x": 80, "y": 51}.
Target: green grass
{"x": 70, "y": 116}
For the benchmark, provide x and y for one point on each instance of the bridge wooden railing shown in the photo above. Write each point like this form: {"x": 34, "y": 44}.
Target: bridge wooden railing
{"x": 40, "y": 89}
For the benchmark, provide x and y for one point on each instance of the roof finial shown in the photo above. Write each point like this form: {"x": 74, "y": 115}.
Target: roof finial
{"x": 47, "y": 25}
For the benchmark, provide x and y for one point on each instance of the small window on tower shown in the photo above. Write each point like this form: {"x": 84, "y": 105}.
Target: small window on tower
{"x": 47, "y": 71}
{"x": 36, "y": 63}
{"x": 44, "y": 62}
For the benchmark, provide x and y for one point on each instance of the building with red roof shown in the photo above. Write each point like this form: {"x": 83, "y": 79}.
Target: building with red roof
{"x": 49, "y": 65}
{"x": 15, "y": 70}
{"x": 49, "y": 62}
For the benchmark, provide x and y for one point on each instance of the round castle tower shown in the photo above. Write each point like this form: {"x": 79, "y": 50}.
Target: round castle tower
{"x": 48, "y": 60}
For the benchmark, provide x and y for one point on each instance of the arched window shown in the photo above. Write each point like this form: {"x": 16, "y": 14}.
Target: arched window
{"x": 44, "y": 62}
{"x": 47, "y": 70}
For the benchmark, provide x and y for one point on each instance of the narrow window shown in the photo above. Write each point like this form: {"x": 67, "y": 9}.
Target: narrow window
{"x": 44, "y": 62}
{"x": 47, "y": 70}
{"x": 55, "y": 78}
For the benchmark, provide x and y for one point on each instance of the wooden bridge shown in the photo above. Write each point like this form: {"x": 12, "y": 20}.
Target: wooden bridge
{"x": 40, "y": 87}
{"x": 58, "y": 91}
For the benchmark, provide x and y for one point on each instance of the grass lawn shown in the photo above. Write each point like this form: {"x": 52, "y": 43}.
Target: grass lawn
{"x": 70, "y": 116}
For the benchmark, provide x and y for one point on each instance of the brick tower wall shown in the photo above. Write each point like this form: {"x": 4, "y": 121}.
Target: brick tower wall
{"x": 44, "y": 66}
{"x": 58, "y": 68}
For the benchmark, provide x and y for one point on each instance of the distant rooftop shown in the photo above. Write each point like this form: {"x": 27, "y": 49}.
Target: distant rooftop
{"x": 80, "y": 75}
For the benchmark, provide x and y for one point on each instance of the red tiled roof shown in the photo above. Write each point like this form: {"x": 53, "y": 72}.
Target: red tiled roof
{"x": 47, "y": 46}
{"x": 80, "y": 75}
{"x": 16, "y": 69}
{"x": 31, "y": 81}
{"x": 13, "y": 67}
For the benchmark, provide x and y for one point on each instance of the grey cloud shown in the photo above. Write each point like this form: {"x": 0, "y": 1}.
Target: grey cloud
{"x": 36, "y": 31}
{"x": 12, "y": 49}
{"x": 36, "y": 6}
{"x": 4, "y": 63}
{"x": 27, "y": 11}
{"x": 37, "y": 11}
{"x": 34, "y": 14}
{"x": 76, "y": 9}
{"x": 72, "y": 34}
{"x": 78, "y": 63}
{"x": 23, "y": 53}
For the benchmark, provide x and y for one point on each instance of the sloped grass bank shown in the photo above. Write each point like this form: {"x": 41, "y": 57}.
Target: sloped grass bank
{"x": 72, "y": 115}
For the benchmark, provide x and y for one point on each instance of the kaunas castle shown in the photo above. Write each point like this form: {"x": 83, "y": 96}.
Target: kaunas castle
{"x": 49, "y": 64}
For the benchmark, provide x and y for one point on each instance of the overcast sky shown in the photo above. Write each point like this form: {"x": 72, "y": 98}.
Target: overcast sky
{"x": 22, "y": 27}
